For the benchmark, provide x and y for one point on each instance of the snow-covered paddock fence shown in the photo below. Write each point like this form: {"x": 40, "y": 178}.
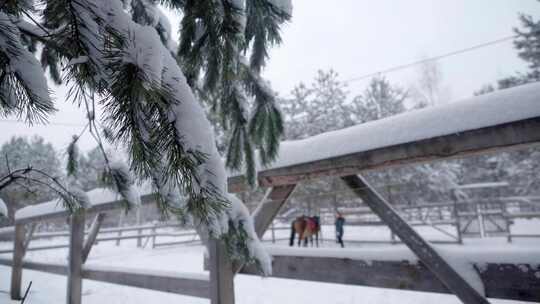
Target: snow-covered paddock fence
{"x": 149, "y": 236}
{"x": 190, "y": 284}
{"x": 79, "y": 248}
{"x": 508, "y": 119}
{"x": 504, "y": 273}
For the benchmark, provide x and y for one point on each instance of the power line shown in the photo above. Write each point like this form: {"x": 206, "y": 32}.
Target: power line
{"x": 435, "y": 58}
{"x": 64, "y": 124}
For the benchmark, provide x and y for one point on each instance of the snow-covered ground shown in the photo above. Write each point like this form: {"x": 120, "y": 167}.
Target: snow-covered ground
{"x": 49, "y": 288}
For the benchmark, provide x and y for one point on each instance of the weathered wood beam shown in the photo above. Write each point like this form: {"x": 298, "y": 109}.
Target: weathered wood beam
{"x": 29, "y": 236}
{"x": 425, "y": 252}
{"x": 36, "y": 248}
{"x": 221, "y": 274}
{"x": 196, "y": 285}
{"x": 49, "y": 267}
{"x": 76, "y": 239}
{"x": 92, "y": 235}
{"x": 503, "y": 281}
{"x": 18, "y": 255}
{"x": 518, "y": 134}
{"x": 62, "y": 213}
{"x": 177, "y": 243}
{"x": 269, "y": 207}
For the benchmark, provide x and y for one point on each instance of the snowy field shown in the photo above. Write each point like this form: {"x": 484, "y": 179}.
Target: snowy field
{"x": 49, "y": 288}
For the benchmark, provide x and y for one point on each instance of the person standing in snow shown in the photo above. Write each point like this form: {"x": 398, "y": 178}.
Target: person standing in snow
{"x": 340, "y": 222}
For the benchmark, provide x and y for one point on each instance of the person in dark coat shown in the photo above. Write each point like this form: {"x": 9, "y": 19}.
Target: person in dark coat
{"x": 340, "y": 222}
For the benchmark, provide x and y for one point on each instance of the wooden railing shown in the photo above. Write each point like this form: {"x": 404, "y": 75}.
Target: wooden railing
{"x": 79, "y": 248}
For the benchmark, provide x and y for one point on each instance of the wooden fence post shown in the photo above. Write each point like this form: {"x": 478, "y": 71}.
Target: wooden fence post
{"x": 273, "y": 233}
{"x": 120, "y": 223}
{"x": 139, "y": 231}
{"x": 92, "y": 235}
{"x": 29, "y": 236}
{"x": 427, "y": 254}
{"x": 221, "y": 274}
{"x": 456, "y": 217}
{"x": 154, "y": 231}
{"x": 18, "y": 254}
{"x": 76, "y": 239}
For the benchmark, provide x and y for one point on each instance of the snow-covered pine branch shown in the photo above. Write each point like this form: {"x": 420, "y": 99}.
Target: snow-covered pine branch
{"x": 125, "y": 62}
{"x": 23, "y": 87}
{"x": 3, "y": 209}
{"x": 215, "y": 35}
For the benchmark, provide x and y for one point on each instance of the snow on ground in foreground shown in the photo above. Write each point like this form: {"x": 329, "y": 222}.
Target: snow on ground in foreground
{"x": 49, "y": 288}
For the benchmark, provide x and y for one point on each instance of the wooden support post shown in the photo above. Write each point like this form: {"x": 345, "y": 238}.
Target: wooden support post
{"x": 221, "y": 274}
{"x": 456, "y": 216}
{"x": 273, "y": 233}
{"x": 76, "y": 239}
{"x": 154, "y": 235}
{"x": 92, "y": 235}
{"x": 120, "y": 223}
{"x": 427, "y": 254}
{"x": 139, "y": 231}
{"x": 392, "y": 237}
{"x": 508, "y": 228}
{"x": 29, "y": 236}
{"x": 16, "y": 269}
{"x": 269, "y": 207}
{"x": 480, "y": 218}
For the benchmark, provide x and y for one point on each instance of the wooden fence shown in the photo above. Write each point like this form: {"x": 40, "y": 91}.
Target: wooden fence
{"x": 470, "y": 134}
{"x": 79, "y": 248}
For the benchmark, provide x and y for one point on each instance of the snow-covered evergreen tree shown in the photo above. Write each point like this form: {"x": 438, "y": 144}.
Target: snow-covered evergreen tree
{"x": 321, "y": 107}
{"x": 121, "y": 57}
{"x": 92, "y": 166}
{"x": 22, "y": 152}
{"x": 527, "y": 44}
{"x": 380, "y": 99}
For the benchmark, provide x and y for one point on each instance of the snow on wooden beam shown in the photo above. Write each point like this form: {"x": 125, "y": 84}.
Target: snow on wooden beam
{"x": 101, "y": 199}
{"x": 514, "y": 135}
{"x": 196, "y": 285}
{"x": 500, "y": 280}
{"x": 492, "y": 122}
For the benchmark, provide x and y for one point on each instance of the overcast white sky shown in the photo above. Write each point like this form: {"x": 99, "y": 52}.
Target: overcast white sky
{"x": 358, "y": 37}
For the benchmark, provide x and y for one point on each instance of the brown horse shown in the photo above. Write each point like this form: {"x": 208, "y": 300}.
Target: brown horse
{"x": 306, "y": 227}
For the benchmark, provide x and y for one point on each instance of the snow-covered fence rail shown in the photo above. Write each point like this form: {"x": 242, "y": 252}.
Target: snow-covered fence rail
{"x": 153, "y": 235}
{"x": 496, "y": 271}
{"x": 196, "y": 285}
{"x": 101, "y": 200}
{"x": 507, "y": 119}
{"x": 492, "y": 122}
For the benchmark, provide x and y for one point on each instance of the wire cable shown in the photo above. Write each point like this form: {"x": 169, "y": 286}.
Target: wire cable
{"x": 435, "y": 58}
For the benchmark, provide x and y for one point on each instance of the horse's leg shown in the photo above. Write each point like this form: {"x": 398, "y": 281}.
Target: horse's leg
{"x": 293, "y": 232}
